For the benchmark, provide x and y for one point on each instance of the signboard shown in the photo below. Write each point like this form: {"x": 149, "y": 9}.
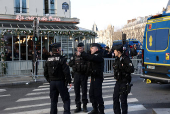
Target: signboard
{"x": 65, "y": 6}
{"x": 50, "y": 18}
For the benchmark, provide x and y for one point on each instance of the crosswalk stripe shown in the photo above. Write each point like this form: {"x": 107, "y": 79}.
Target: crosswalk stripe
{"x": 130, "y": 107}
{"x": 44, "y": 86}
{"x": 33, "y": 98}
{"x": 42, "y": 89}
{"x": 2, "y": 90}
{"x": 28, "y": 106}
{"x": 5, "y": 95}
{"x": 136, "y": 108}
{"x": 47, "y": 97}
{"x": 38, "y": 93}
{"x": 47, "y": 92}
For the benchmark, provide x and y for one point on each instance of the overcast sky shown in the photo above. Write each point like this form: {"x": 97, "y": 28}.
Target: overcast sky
{"x": 114, "y": 12}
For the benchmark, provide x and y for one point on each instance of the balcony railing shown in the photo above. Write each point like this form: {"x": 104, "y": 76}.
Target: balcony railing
{"x": 50, "y": 11}
{"x": 20, "y": 10}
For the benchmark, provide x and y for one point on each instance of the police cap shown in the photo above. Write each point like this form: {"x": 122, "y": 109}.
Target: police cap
{"x": 80, "y": 44}
{"x": 119, "y": 48}
{"x": 96, "y": 45}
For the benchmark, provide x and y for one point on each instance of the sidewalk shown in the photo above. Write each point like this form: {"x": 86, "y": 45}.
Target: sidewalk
{"x": 20, "y": 80}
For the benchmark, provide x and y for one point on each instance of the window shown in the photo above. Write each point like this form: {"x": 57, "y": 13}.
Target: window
{"x": 20, "y": 4}
{"x": 17, "y": 6}
{"x": 46, "y": 6}
{"x": 52, "y": 6}
{"x": 24, "y": 7}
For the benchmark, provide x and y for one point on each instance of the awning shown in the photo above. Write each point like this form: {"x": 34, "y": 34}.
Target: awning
{"x": 41, "y": 27}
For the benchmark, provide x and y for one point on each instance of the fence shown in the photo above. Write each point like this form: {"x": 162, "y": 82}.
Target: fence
{"x": 25, "y": 68}
{"x": 108, "y": 69}
{"x": 15, "y": 68}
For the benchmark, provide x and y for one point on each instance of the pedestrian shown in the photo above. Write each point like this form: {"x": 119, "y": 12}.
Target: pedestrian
{"x": 134, "y": 51}
{"x": 57, "y": 73}
{"x": 123, "y": 68}
{"x": 79, "y": 66}
{"x": 96, "y": 71}
{"x": 45, "y": 54}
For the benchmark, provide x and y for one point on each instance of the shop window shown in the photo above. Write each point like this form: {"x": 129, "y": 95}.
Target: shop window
{"x": 16, "y": 48}
{"x": 8, "y": 48}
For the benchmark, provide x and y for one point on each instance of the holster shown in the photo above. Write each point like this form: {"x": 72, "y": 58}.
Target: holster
{"x": 126, "y": 89}
{"x": 129, "y": 88}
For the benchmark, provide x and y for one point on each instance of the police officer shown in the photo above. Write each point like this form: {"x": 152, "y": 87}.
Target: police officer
{"x": 96, "y": 71}
{"x": 123, "y": 68}
{"x": 57, "y": 73}
{"x": 79, "y": 66}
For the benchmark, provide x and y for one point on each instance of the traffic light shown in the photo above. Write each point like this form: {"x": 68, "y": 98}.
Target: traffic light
{"x": 35, "y": 29}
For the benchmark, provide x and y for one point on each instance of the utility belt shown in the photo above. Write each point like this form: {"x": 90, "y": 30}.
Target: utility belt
{"x": 79, "y": 68}
{"x": 122, "y": 77}
{"x": 96, "y": 73}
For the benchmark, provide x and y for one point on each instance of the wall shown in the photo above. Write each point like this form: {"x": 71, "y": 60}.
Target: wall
{"x": 39, "y": 5}
{"x": 61, "y": 12}
{"x": 9, "y": 4}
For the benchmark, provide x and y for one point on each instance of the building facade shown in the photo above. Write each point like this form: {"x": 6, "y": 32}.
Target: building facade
{"x": 16, "y": 32}
{"x": 60, "y": 8}
{"x": 104, "y": 36}
{"x": 135, "y": 28}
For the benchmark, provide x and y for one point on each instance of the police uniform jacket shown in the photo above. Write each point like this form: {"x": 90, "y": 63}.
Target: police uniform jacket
{"x": 78, "y": 64}
{"x": 123, "y": 68}
{"x": 96, "y": 64}
{"x": 56, "y": 69}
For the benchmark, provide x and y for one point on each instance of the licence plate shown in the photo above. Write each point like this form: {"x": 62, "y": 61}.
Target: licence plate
{"x": 150, "y": 67}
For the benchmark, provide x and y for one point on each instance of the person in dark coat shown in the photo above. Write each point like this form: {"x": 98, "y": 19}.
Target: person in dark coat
{"x": 79, "y": 66}
{"x": 57, "y": 73}
{"x": 45, "y": 54}
{"x": 96, "y": 71}
{"x": 123, "y": 68}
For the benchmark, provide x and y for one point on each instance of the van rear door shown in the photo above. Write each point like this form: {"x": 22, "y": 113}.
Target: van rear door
{"x": 149, "y": 53}
{"x": 162, "y": 51}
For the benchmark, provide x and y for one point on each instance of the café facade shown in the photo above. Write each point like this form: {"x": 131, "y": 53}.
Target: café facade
{"x": 16, "y": 33}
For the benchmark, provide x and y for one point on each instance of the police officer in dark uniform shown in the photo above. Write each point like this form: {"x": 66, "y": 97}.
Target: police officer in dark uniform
{"x": 57, "y": 73}
{"x": 123, "y": 68}
{"x": 96, "y": 71}
{"x": 79, "y": 66}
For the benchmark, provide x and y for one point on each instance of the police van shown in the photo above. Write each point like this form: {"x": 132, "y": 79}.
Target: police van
{"x": 130, "y": 43}
{"x": 156, "y": 49}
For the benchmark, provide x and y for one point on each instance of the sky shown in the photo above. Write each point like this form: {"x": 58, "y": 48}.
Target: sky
{"x": 114, "y": 12}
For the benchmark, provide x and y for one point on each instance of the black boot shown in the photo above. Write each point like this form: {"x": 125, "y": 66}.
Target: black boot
{"x": 85, "y": 108}
{"x": 78, "y": 109}
{"x": 94, "y": 111}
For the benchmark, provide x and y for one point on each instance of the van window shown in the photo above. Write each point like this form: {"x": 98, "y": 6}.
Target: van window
{"x": 157, "y": 39}
{"x": 162, "y": 39}
{"x": 135, "y": 41}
